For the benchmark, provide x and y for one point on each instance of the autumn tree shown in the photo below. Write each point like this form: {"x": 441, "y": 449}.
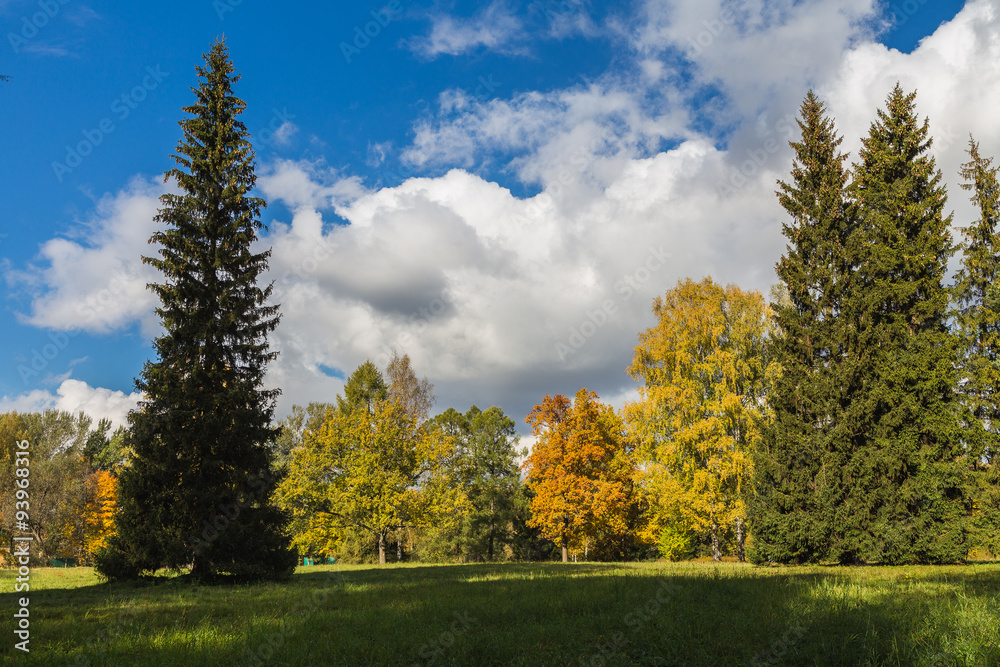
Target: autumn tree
{"x": 59, "y": 479}
{"x": 293, "y": 428}
{"x": 977, "y": 322}
{"x": 97, "y": 512}
{"x": 704, "y": 370}
{"x": 580, "y": 470}
{"x": 797, "y": 483}
{"x": 368, "y": 468}
{"x": 416, "y": 397}
{"x": 198, "y": 488}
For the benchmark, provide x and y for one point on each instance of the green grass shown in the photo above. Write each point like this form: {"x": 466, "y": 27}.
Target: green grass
{"x": 522, "y": 614}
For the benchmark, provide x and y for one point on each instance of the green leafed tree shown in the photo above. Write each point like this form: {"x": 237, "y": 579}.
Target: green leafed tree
{"x": 796, "y": 466}
{"x": 368, "y": 471}
{"x": 977, "y": 322}
{"x": 198, "y": 488}
{"x": 906, "y": 493}
{"x": 364, "y": 389}
{"x": 293, "y": 429}
{"x": 482, "y": 464}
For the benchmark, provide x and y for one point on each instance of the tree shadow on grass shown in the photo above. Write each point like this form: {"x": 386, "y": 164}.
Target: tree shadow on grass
{"x": 535, "y": 614}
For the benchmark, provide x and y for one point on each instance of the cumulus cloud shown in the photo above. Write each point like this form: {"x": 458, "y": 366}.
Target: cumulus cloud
{"x": 507, "y": 298}
{"x": 94, "y": 280}
{"x": 956, "y": 73}
{"x": 495, "y": 27}
{"x": 76, "y": 396}
{"x": 661, "y": 169}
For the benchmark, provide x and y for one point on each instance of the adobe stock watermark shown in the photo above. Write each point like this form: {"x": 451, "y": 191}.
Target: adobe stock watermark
{"x": 714, "y": 29}
{"x": 554, "y": 10}
{"x": 602, "y": 314}
{"x": 277, "y": 130}
{"x": 635, "y": 621}
{"x": 485, "y": 89}
{"x": 270, "y": 645}
{"x": 121, "y": 108}
{"x": 581, "y": 159}
{"x": 98, "y": 643}
{"x": 363, "y": 36}
{"x": 305, "y": 267}
{"x": 226, "y": 514}
{"x": 21, "y": 541}
{"x": 757, "y": 157}
{"x": 223, "y": 7}
{"x": 431, "y": 651}
{"x": 902, "y": 11}
{"x": 777, "y": 652}
{"x": 30, "y": 26}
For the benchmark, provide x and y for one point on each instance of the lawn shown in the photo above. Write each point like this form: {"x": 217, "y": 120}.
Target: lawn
{"x": 522, "y": 614}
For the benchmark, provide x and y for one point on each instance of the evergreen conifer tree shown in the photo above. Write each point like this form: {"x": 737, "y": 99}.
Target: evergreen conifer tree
{"x": 198, "y": 488}
{"x": 906, "y": 489}
{"x": 977, "y": 321}
{"x": 796, "y": 468}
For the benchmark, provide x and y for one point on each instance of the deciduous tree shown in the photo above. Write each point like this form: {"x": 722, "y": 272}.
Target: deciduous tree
{"x": 482, "y": 465}
{"x": 370, "y": 470}
{"x": 581, "y": 470}
{"x": 704, "y": 370}
{"x": 416, "y": 397}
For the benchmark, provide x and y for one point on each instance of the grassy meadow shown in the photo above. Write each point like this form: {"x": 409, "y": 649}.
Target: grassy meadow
{"x": 521, "y": 614}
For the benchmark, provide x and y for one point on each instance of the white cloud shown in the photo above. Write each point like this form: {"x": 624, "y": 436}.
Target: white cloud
{"x": 495, "y": 27}
{"x": 501, "y": 299}
{"x": 489, "y": 293}
{"x": 76, "y": 396}
{"x": 283, "y": 135}
{"x": 95, "y": 281}
{"x": 307, "y": 184}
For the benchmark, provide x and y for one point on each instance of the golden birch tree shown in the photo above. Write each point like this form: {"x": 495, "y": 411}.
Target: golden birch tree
{"x": 704, "y": 371}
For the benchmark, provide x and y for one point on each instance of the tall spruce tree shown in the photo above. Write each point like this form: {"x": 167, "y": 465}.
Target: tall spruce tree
{"x": 796, "y": 468}
{"x": 977, "y": 322}
{"x": 906, "y": 488}
{"x": 198, "y": 489}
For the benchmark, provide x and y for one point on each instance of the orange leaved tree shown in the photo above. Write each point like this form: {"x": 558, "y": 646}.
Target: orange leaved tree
{"x": 580, "y": 469}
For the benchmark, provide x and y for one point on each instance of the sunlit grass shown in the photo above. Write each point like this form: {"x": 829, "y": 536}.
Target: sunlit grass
{"x": 523, "y": 614}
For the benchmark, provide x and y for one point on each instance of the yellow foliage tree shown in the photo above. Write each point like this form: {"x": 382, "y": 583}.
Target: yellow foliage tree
{"x": 370, "y": 470}
{"x": 580, "y": 470}
{"x": 705, "y": 373}
{"x": 99, "y": 511}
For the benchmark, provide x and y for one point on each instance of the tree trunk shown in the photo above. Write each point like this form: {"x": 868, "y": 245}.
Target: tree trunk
{"x": 489, "y": 548}
{"x": 586, "y": 547}
{"x": 381, "y": 548}
{"x": 716, "y": 552}
{"x": 399, "y": 550}
{"x": 740, "y": 540}
{"x": 565, "y": 549}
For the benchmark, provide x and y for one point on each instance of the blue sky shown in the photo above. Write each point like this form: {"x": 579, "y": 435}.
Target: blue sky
{"x": 498, "y": 189}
